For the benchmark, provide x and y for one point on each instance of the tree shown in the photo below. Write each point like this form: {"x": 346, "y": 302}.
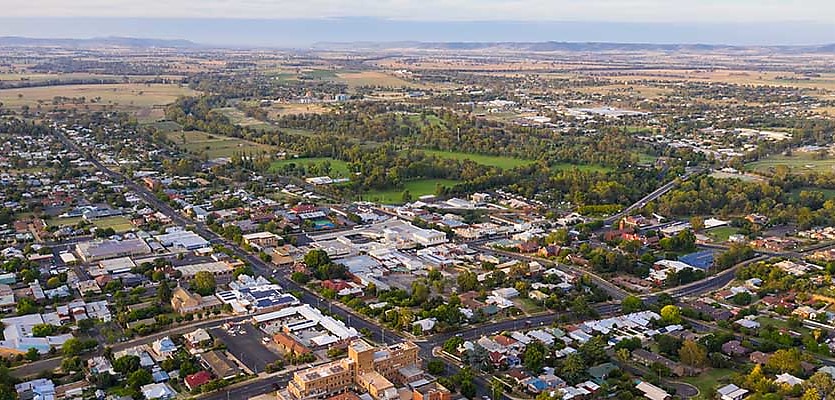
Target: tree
{"x": 671, "y": 314}
{"x": 316, "y": 258}
{"x": 435, "y": 367}
{"x": 573, "y": 368}
{"x": 72, "y": 347}
{"x": 496, "y": 389}
{"x": 451, "y": 345}
{"x": 534, "y": 356}
{"x": 785, "y": 361}
{"x": 594, "y": 350}
{"x": 139, "y": 378}
{"x": 811, "y": 394}
{"x": 631, "y": 304}
{"x": 43, "y": 330}
{"x": 697, "y": 223}
{"x": 126, "y": 364}
{"x": 32, "y": 354}
{"x": 164, "y": 293}
{"x": 204, "y": 283}
{"x": 822, "y": 383}
{"x": 691, "y": 353}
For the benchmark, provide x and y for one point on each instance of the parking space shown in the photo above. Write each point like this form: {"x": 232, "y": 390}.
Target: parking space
{"x": 244, "y": 342}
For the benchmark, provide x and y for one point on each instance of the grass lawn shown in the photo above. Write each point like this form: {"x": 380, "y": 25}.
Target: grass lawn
{"x": 119, "y": 224}
{"x": 416, "y": 189}
{"x": 722, "y": 233}
{"x": 338, "y": 168}
{"x": 644, "y": 158}
{"x": 493, "y": 161}
{"x": 581, "y": 168}
{"x": 708, "y": 380}
{"x": 797, "y": 163}
{"x": 215, "y": 146}
{"x": 528, "y": 306}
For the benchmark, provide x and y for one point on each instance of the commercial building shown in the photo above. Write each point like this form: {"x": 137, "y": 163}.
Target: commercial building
{"x": 185, "y": 240}
{"x": 261, "y": 240}
{"x": 307, "y": 326}
{"x": 185, "y": 302}
{"x": 367, "y": 367}
{"x": 221, "y": 270}
{"x": 104, "y": 249}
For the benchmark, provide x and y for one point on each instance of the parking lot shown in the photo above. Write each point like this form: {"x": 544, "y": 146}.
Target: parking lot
{"x": 243, "y": 341}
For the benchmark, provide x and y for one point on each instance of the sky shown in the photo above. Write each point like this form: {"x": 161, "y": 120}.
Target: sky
{"x": 298, "y": 23}
{"x": 440, "y": 10}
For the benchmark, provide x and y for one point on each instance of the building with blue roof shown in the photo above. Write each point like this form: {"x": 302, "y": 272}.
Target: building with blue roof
{"x": 702, "y": 260}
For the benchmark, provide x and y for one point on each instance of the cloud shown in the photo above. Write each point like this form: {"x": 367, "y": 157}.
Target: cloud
{"x": 441, "y": 10}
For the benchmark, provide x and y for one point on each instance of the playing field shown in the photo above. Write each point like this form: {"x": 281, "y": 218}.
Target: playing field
{"x": 216, "y": 146}
{"x": 317, "y": 166}
{"x": 416, "y": 189}
{"x": 119, "y": 224}
{"x": 493, "y": 161}
{"x": 722, "y": 233}
{"x": 797, "y": 163}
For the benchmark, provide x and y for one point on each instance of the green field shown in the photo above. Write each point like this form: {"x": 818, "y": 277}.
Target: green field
{"x": 416, "y": 189}
{"x": 722, "y": 233}
{"x": 707, "y": 381}
{"x": 119, "y": 224}
{"x": 215, "y": 146}
{"x": 338, "y": 168}
{"x": 493, "y": 161}
{"x": 797, "y": 163}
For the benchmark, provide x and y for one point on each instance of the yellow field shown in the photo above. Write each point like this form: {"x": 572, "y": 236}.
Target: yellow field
{"x": 129, "y": 96}
{"x": 278, "y": 110}
{"x": 789, "y": 79}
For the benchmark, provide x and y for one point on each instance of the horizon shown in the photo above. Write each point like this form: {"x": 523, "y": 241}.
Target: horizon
{"x": 300, "y": 33}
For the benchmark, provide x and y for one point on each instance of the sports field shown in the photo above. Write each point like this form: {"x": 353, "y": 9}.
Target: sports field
{"x": 797, "y": 163}
{"x": 215, "y": 146}
{"x": 416, "y": 188}
{"x": 316, "y": 166}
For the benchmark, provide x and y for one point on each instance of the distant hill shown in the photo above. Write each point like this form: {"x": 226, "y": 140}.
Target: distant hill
{"x": 563, "y": 46}
{"x": 17, "y": 41}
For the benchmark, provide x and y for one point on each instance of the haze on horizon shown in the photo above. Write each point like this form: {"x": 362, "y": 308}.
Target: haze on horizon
{"x": 292, "y": 22}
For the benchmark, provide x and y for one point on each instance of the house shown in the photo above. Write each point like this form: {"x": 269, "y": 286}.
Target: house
{"x": 648, "y": 358}
{"x": 731, "y": 392}
{"x": 788, "y": 379}
{"x": 289, "y": 344}
{"x": 196, "y": 338}
{"x": 164, "y": 347}
{"x": 601, "y": 372}
{"x": 734, "y": 348}
{"x": 159, "y": 391}
{"x": 220, "y": 365}
{"x": 198, "y": 379}
{"x": 425, "y": 325}
{"x": 759, "y": 357}
{"x": 38, "y": 389}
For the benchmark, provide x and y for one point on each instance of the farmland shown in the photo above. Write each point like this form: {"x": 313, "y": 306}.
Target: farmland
{"x": 122, "y": 95}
